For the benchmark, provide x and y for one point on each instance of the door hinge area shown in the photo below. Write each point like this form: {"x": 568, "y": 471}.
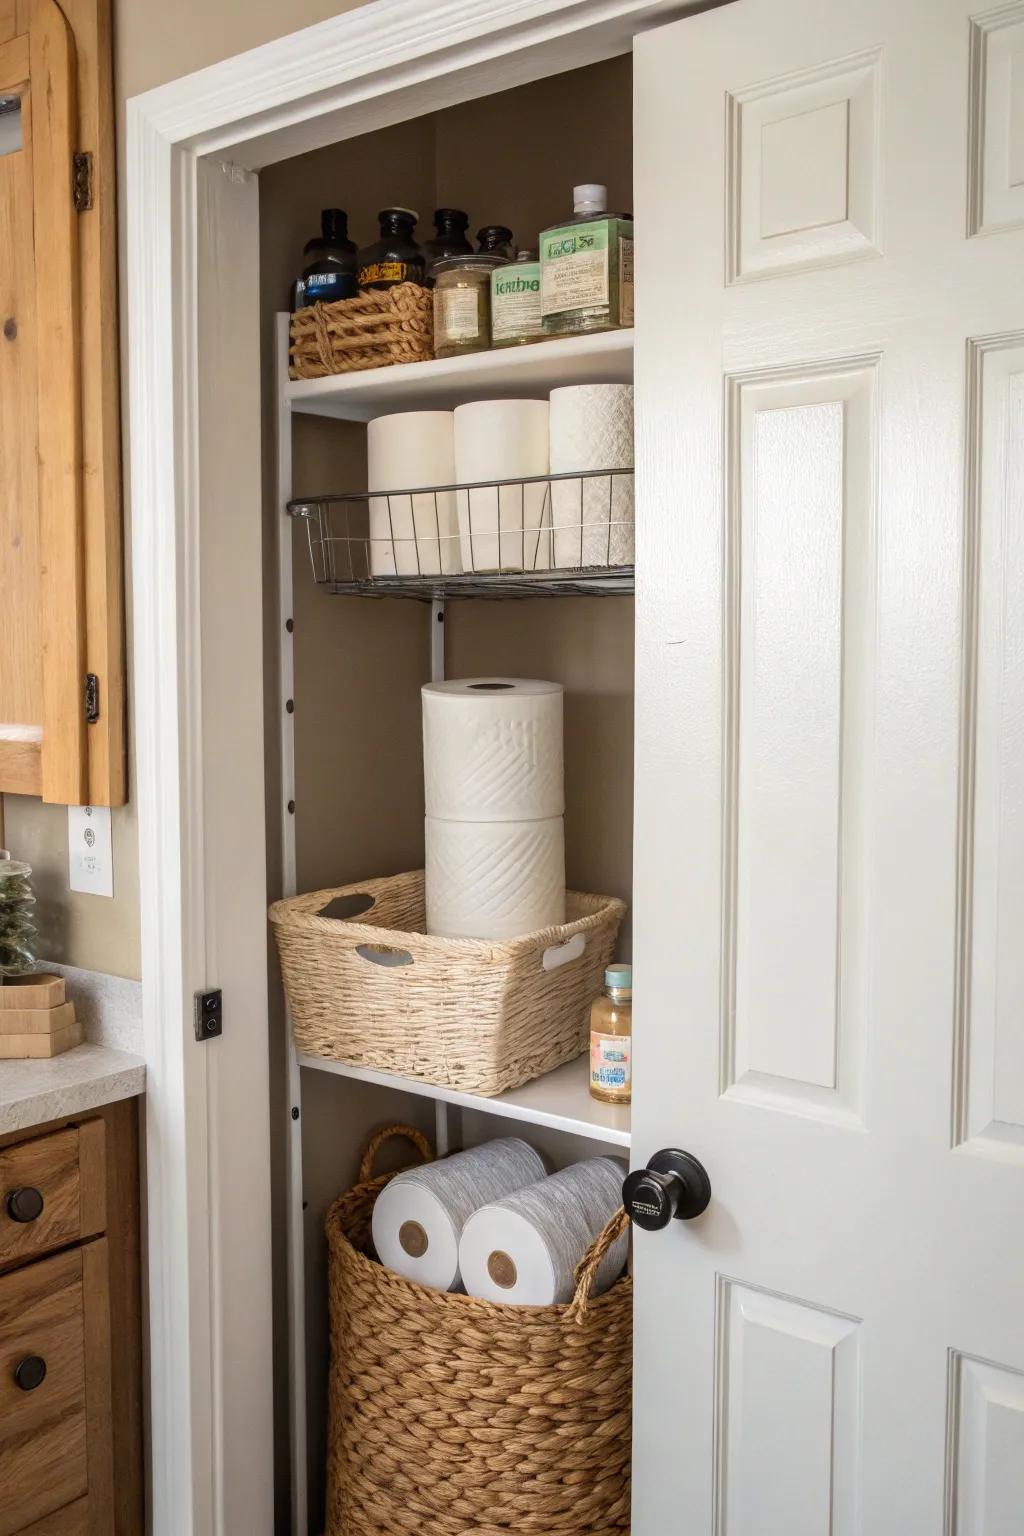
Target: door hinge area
{"x": 209, "y": 1017}
{"x": 92, "y": 698}
{"x": 81, "y": 182}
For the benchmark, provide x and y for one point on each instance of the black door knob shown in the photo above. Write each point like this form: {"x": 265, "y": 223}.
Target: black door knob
{"x": 674, "y": 1184}
{"x": 24, "y": 1204}
{"x": 30, "y": 1373}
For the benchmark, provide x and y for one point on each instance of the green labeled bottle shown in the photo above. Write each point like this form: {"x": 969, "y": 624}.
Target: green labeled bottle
{"x": 586, "y": 268}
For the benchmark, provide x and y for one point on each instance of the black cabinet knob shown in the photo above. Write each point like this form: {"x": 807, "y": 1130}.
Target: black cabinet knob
{"x": 30, "y": 1373}
{"x": 24, "y": 1204}
{"x": 673, "y": 1185}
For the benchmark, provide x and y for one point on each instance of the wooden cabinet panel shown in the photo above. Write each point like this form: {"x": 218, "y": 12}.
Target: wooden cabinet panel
{"x": 43, "y": 1429}
{"x": 67, "y": 1172}
{"x": 73, "y": 1520}
{"x": 61, "y": 612}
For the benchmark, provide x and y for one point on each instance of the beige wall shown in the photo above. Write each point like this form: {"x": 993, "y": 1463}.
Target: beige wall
{"x": 154, "y": 42}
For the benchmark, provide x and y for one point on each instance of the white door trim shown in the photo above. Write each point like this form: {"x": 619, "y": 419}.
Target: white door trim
{"x": 202, "y": 845}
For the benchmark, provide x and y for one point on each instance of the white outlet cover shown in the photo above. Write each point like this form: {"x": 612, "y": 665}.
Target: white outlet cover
{"x": 90, "y": 851}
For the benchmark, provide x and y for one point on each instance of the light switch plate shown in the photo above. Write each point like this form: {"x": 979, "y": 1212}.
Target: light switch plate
{"x": 90, "y": 852}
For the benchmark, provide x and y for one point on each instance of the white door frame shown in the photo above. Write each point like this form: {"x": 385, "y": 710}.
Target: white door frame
{"x": 191, "y": 201}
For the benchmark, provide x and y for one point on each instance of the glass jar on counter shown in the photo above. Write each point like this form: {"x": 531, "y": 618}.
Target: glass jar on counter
{"x": 462, "y": 303}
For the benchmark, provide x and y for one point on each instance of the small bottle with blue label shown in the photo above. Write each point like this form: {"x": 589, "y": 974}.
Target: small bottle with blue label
{"x": 611, "y": 1038}
{"x": 330, "y": 270}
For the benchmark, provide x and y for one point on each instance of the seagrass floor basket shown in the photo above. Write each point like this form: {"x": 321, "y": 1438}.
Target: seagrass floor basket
{"x": 393, "y": 325}
{"x": 373, "y": 990}
{"x": 450, "y": 1416}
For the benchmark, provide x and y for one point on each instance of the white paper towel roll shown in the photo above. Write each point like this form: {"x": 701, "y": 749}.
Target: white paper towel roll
{"x": 492, "y": 749}
{"x": 524, "y": 1248}
{"x": 503, "y": 529}
{"x": 418, "y": 1218}
{"x": 592, "y": 428}
{"x": 494, "y": 879}
{"x": 412, "y": 535}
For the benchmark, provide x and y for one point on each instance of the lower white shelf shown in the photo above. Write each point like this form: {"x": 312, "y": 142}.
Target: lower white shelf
{"x": 561, "y": 1099}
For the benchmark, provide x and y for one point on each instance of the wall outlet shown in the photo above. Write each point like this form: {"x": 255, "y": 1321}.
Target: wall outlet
{"x": 90, "y": 851}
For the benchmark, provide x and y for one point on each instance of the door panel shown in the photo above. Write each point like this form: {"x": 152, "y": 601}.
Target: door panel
{"x": 830, "y": 751}
{"x": 788, "y": 1390}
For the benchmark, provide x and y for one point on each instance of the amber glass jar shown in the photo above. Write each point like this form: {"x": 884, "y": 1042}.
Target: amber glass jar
{"x": 611, "y": 1038}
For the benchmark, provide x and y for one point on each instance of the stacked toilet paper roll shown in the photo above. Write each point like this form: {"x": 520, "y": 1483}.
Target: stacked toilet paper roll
{"x": 591, "y": 428}
{"x": 412, "y": 535}
{"x": 503, "y": 528}
{"x": 419, "y": 1217}
{"x": 523, "y": 1249}
{"x": 495, "y": 801}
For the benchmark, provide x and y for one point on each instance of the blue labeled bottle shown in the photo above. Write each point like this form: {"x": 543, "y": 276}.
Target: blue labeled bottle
{"x": 330, "y": 270}
{"x": 611, "y": 1038}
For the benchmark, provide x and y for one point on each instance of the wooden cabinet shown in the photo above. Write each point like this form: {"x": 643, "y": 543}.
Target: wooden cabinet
{"x": 61, "y": 620}
{"x": 70, "y": 1390}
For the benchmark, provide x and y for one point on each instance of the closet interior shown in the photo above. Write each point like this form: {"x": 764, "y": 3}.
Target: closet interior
{"x": 344, "y": 733}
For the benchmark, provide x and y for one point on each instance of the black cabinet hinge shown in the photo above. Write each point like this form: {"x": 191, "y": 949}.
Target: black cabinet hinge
{"x": 81, "y": 181}
{"x": 92, "y": 698}
{"x": 209, "y": 1019}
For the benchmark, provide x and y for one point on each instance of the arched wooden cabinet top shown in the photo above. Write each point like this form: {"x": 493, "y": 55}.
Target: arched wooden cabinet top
{"x": 61, "y": 607}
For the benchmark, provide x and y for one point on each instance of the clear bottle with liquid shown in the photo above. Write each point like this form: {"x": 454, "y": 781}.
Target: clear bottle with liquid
{"x": 586, "y": 267}
{"x": 611, "y": 1038}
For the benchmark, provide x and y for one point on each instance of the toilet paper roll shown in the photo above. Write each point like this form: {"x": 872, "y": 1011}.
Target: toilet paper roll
{"x": 412, "y": 535}
{"x": 503, "y": 528}
{"x": 492, "y": 749}
{"x": 418, "y": 1218}
{"x": 524, "y": 1248}
{"x": 494, "y": 879}
{"x": 591, "y": 427}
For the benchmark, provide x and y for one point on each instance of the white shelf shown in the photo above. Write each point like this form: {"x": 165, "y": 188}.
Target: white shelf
{"x": 605, "y": 358}
{"x": 561, "y": 1099}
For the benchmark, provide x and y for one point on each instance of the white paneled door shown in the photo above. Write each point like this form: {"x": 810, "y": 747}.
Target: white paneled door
{"x": 830, "y": 782}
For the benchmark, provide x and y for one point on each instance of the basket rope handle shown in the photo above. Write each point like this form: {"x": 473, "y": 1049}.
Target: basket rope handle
{"x": 587, "y": 1268}
{"x": 391, "y": 1133}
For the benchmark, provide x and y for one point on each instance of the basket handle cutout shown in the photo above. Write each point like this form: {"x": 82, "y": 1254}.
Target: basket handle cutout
{"x": 379, "y": 1139}
{"x": 345, "y": 908}
{"x": 587, "y": 1268}
{"x": 380, "y": 954}
{"x": 561, "y": 954}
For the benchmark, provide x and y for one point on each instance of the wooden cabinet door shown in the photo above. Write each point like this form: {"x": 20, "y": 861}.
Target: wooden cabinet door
{"x": 60, "y": 579}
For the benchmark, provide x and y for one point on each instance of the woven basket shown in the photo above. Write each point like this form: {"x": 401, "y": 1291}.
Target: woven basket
{"x": 395, "y": 325}
{"x": 450, "y": 1416}
{"x": 460, "y": 1013}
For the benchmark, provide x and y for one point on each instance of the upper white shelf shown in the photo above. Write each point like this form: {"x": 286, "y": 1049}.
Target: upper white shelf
{"x": 561, "y": 1099}
{"x": 530, "y": 371}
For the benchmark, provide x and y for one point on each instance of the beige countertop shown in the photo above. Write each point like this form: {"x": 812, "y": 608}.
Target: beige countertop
{"x": 33, "y": 1092}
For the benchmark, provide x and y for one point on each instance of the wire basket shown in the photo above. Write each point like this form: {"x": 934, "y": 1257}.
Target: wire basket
{"x": 543, "y": 533}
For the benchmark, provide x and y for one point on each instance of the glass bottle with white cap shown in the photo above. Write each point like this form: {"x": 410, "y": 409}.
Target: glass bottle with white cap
{"x": 611, "y": 1038}
{"x": 586, "y": 267}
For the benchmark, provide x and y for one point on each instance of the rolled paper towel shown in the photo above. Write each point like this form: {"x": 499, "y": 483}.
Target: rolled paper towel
{"x": 591, "y": 428}
{"x": 494, "y": 879}
{"x": 503, "y": 528}
{"x": 524, "y": 1248}
{"x": 418, "y": 1218}
{"x": 412, "y": 535}
{"x": 492, "y": 749}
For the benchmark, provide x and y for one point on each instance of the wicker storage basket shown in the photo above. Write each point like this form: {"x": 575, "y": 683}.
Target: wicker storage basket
{"x": 378, "y": 992}
{"x": 450, "y": 1416}
{"x": 395, "y": 325}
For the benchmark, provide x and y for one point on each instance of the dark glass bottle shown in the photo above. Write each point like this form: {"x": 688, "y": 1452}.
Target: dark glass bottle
{"x": 395, "y": 257}
{"x": 330, "y": 270}
{"x": 496, "y": 240}
{"x": 450, "y": 240}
